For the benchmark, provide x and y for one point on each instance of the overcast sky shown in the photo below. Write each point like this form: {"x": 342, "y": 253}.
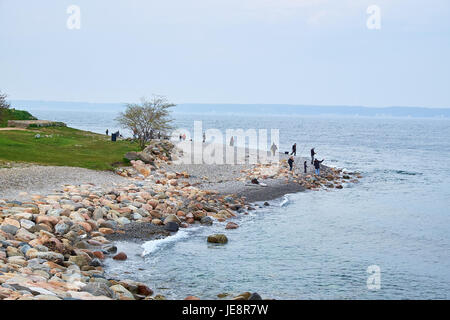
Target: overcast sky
{"x": 315, "y": 52}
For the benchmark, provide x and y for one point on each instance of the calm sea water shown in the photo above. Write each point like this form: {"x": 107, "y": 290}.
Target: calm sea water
{"x": 320, "y": 244}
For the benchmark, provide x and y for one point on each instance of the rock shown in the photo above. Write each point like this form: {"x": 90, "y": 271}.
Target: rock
{"x": 99, "y": 255}
{"x": 9, "y": 229}
{"x": 80, "y": 260}
{"x": 123, "y": 221}
{"x": 172, "y": 218}
{"x": 98, "y": 289}
{"x": 207, "y": 221}
{"x": 61, "y": 228}
{"x": 50, "y": 256}
{"x": 123, "y": 293}
{"x": 106, "y": 230}
{"x": 111, "y": 249}
{"x": 95, "y": 263}
{"x": 157, "y": 222}
{"x": 218, "y": 238}
{"x": 24, "y": 235}
{"x": 232, "y": 225}
{"x": 266, "y": 204}
{"x": 191, "y": 298}
{"x": 255, "y": 296}
{"x": 171, "y": 227}
{"x": 98, "y": 214}
{"x": 13, "y": 252}
{"x": 144, "y": 290}
{"x": 132, "y": 156}
{"x": 243, "y": 296}
{"x": 121, "y": 256}
{"x": 27, "y": 224}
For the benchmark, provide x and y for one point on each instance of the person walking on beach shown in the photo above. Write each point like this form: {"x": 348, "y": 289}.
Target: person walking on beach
{"x": 107, "y": 131}
{"x": 204, "y": 137}
{"x": 291, "y": 162}
{"x": 305, "y": 166}
{"x": 317, "y": 166}
{"x": 232, "y": 142}
{"x": 294, "y": 150}
{"x": 274, "y": 148}
{"x": 313, "y": 153}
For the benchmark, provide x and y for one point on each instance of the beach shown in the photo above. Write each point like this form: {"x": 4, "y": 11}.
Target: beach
{"x": 59, "y": 220}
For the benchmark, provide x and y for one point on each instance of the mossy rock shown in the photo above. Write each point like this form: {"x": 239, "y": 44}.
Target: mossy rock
{"x": 217, "y": 238}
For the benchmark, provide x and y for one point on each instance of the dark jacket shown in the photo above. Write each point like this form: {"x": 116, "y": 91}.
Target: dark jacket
{"x": 317, "y": 164}
{"x": 312, "y": 153}
{"x": 291, "y": 162}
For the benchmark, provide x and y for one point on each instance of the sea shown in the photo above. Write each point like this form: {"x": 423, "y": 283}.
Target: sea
{"x": 386, "y": 237}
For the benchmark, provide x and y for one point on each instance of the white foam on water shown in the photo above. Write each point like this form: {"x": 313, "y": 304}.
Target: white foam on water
{"x": 284, "y": 202}
{"x": 154, "y": 245}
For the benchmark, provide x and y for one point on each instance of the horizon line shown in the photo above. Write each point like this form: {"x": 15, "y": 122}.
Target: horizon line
{"x": 247, "y": 104}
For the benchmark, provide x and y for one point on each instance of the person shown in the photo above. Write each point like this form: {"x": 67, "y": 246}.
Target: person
{"x": 317, "y": 166}
{"x": 204, "y": 137}
{"x": 184, "y": 136}
{"x": 181, "y": 137}
{"x": 305, "y": 166}
{"x": 294, "y": 150}
{"x": 159, "y": 135}
{"x": 291, "y": 162}
{"x": 232, "y": 141}
{"x": 313, "y": 153}
{"x": 107, "y": 131}
{"x": 274, "y": 148}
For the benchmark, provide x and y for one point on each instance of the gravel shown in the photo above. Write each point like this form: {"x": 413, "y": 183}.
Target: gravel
{"x": 42, "y": 180}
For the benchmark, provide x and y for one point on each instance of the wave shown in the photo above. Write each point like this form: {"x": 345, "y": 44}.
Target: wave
{"x": 284, "y": 202}
{"x": 154, "y": 245}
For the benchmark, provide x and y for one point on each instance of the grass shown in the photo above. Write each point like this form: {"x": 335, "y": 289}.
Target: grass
{"x": 13, "y": 114}
{"x": 64, "y": 146}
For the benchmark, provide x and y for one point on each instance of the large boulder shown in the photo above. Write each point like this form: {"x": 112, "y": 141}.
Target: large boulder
{"x": 171, "y": 226}
{"x": 218, "y": 238}
{"x": 172, "y": 218}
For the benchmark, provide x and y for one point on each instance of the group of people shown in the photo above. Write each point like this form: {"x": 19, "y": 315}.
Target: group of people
{"x": 314, "y": 161}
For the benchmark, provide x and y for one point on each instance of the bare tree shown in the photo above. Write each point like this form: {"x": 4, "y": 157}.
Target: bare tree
{"x": 3, "y": 104}
{"x": 147, "y": 118}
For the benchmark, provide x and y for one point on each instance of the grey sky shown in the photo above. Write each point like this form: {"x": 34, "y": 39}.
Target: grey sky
{"x": 316, "y": 52}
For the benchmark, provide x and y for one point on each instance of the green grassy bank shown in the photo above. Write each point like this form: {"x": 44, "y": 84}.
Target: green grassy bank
{"x": 63, "y": 146}
{"x": 13, "y": 114}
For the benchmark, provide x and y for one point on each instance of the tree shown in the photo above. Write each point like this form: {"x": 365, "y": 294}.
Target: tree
{"x": 147, "y": 118}
{"x": 3, "y": 105}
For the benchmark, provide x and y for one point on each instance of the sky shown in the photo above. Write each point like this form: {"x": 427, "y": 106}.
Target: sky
{"x": 311, "y": 52}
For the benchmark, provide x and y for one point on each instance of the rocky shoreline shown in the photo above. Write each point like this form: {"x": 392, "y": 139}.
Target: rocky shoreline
{"x": 53, "y": 246}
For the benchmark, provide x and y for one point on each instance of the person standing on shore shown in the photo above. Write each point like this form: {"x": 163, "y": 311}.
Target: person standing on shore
{"x": 317, "y": 166}
{"x": 204, "y": 137}
{"x": 291, "y": 162}
{"x": 294, "y": 150}
{"x": 274, "y": 148}
{"x": 107, "y": 132}
{"x": 232, "y": 142}
{"x": 313, "y": 153}
{"x": 305, "y": 166}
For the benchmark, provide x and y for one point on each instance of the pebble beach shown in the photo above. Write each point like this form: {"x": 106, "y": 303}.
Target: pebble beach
{"x": 58, "y": 225}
